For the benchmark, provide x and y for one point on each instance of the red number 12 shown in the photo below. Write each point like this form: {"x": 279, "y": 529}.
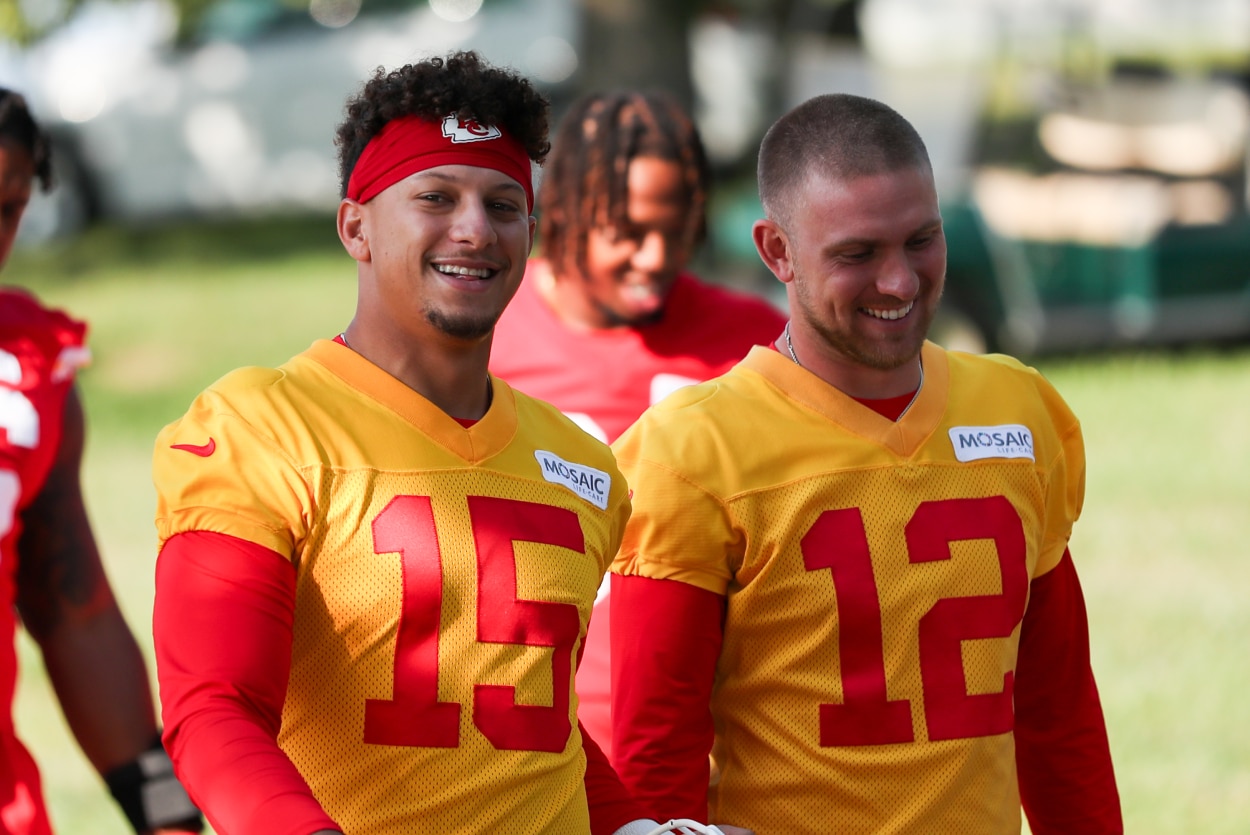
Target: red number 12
{"x": 838, "y": 541}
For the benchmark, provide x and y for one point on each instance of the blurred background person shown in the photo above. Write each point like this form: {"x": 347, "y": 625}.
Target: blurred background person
{"x": 50, "y": 569}
{"x": 610, "y": 320}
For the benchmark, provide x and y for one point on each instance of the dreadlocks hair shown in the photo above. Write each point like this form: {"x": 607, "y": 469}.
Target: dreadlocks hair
{"x": 18, "y": 125}
{"x": 462, "y": 83}
{"x": 585, "y": 183}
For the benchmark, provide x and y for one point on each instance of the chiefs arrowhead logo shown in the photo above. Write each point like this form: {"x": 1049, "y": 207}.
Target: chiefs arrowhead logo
{"x": 202, "y": 450}
{"x": 468, "y": 130}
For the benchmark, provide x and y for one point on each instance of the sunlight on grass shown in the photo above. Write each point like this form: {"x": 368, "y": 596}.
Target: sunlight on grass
{"x": 1162, "y": 552}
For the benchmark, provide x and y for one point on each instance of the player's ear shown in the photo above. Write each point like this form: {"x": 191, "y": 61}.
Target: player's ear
{"x": 774, "y": 248}
{"x": 351, "y": 226}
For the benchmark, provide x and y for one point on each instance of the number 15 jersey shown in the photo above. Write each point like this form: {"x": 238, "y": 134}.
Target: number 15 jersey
{"x": 445, "y": 577}
{"x": 876, "y": 574}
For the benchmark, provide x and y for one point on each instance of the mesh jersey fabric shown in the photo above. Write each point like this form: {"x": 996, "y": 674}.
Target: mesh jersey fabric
{"x": 40, "y": 349}
{"x": 444, "y": 580}
{"x": 875, "y": 583}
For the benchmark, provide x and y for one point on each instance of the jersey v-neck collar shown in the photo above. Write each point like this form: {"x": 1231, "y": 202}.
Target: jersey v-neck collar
{"x": 903, "y": 437}
{"x": 479, "y": 442}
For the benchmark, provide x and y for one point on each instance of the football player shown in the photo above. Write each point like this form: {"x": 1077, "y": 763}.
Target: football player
{"x": 50, "y": 570}
{"x": 378, "y": 561}
{"x": 610, "y": 320}
{"x": 847, "y": 569}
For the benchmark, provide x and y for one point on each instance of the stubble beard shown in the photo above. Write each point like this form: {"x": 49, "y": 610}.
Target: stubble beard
{"x": 467, "y": 327}
{"x": 882, "y": 355}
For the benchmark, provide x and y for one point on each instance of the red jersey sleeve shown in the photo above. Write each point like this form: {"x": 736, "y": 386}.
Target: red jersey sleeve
{"x": 222, "y": 623}
{"x": 1067, "y": 784}
{"x": 666, "y": 641}
{"x": 611, "y": 806}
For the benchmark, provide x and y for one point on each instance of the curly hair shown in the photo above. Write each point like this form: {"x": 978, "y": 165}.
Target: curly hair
{"x": 462, "y": 83}
{"x": 586, "y": 182}
{"x": 17, "y": 125}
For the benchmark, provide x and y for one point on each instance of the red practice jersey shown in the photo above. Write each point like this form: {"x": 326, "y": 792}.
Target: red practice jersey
{"x": 874, "y": 578}
{"x": 604, "y": 379}
{"x": 40, "y": 350}
{"x": 444, "y": 577}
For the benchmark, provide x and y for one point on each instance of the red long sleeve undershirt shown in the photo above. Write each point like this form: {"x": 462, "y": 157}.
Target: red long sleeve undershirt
{"x": 662, "y": 726}
{"x": 222, "y": 621}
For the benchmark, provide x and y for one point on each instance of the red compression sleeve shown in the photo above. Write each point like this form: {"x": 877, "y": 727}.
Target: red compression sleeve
{"x": 222, "y": 624}
{"x": 1067, "y": 784}
{"x": 611, "y": 806}
{"x": 666, "y": 641}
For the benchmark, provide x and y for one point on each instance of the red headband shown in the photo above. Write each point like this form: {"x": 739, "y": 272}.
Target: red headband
{"x": 410, "y": 144}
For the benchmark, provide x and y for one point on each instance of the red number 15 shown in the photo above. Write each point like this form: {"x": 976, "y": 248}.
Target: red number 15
{"x": 414, "y": 716}
{"x": 837, "y": 541}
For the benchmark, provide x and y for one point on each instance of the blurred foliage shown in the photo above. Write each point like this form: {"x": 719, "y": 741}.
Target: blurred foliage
{"x": 175, "y": 245}
{"x": 26, "y": 21}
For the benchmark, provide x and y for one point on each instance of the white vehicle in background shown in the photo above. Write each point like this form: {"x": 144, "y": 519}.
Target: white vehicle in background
{"x": 241, "y": 119}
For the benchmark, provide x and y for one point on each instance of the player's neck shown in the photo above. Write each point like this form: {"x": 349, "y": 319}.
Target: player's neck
{"x": 854, "y": 378}
{"x": 452, "y": 376}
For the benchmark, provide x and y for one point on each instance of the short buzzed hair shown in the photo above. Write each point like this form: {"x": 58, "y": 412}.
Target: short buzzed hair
{"x": 838, "y": 135}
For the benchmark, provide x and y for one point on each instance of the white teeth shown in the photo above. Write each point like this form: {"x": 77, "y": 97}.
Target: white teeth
{"x": 890, "y": 315}
{"x": 447, "y": 269}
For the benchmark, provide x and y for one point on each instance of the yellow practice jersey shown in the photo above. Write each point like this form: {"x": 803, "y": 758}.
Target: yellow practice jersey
{"x": 445, "y": 579}
{"x": 876, "y": 575}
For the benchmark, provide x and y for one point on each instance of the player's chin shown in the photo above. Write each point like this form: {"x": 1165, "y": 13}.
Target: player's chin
{"x": 470, "y": 326}
{"x": 640, "y": 306}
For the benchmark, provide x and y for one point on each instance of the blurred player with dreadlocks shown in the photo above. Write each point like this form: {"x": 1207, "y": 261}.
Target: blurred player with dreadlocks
{"x": 50, "y": 570}
{"x": 610, "y": 321}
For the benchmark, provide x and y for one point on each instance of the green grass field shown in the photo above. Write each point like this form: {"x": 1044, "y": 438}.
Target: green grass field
{"x": 1163, "y": 547}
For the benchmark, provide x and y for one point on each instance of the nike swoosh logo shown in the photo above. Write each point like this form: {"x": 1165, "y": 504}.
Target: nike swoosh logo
{"x": 202, "y": 450}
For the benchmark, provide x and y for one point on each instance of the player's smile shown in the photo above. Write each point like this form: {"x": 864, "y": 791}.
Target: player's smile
{"x": 475, "y": 276}
{"x": 464, "y": 272}
{"x": 888, "y": 314}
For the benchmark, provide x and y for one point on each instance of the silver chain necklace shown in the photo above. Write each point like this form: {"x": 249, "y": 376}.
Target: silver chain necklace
{"x": 790, "y": 347}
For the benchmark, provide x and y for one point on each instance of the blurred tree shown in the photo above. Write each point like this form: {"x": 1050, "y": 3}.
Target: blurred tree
{"x": 627, "y": 43}
{"x": 646, "y": 43}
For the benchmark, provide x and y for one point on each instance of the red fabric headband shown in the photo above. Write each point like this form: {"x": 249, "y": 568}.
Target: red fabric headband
{"x": 410, "y": 144}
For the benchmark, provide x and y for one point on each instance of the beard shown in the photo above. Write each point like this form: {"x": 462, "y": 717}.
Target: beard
{"x": 469, "y": 327}
{"x": 879, "y": 354}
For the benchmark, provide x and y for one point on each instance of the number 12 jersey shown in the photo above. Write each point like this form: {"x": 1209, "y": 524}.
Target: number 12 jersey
{"x": 875, "y": 577}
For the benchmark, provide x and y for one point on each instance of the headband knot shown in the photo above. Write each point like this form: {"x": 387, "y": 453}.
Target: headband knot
{"x": 411, "y": 144}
